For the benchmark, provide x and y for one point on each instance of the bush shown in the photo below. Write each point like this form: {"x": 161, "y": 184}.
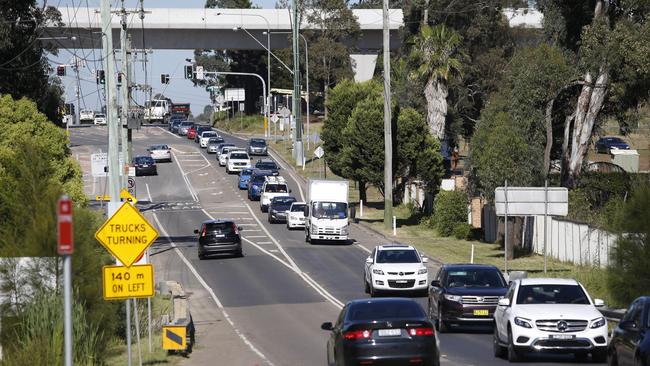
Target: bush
{"x": 449, "y": 209}
{"x": 463, "y": 231}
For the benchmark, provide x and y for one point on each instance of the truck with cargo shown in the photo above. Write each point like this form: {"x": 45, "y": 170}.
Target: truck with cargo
{"x": 181, "y": 109}
{"x": 326, "y": 212}
{"x": 157, "y": 110}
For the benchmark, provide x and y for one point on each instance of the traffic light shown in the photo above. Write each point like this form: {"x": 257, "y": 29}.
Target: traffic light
{"x": 164, "y": 78}
{"x": 60, "y": 70}
{"x": 189, "y": 73}
{"x": 101, "y": 77}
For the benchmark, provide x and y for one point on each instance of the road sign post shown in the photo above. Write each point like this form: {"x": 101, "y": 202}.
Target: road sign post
{"x": 65, "y": 248}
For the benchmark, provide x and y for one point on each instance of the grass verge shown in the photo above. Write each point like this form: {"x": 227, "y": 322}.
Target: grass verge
{"x": 159, "y": 306}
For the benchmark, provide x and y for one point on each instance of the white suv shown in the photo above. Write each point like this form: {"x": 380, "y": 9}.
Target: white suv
{"x": 272, "y": 187}
{"x": 549, "y": 314}
{"x": 236, "y": 161}
{"x": 395, "y": 267}
{"x": 205, "y": 137}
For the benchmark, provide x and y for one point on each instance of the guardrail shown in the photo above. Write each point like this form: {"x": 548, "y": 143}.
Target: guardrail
{"x": 177, "y": 324}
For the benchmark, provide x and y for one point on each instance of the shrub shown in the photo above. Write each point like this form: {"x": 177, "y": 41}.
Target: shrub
{"x": 463, "y": 231}
{"x": 449, "y": 209}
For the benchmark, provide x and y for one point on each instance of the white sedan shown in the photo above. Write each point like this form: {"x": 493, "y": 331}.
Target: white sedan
{"x": 205, "y": 137}
{"x": 296, "y": 215}
{"x": 160, "y": 153}
{"x": 395, "y": 267}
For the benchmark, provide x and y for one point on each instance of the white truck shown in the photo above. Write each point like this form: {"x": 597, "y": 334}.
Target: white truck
{"x": 326, "y": 212}
{"x": 157, "y": 110}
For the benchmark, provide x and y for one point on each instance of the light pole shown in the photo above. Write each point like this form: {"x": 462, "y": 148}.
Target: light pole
{"x": 267, "y": 101}
{"x": 306, "y": 76}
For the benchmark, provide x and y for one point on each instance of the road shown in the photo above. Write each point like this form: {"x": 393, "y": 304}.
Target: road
{"x": 278, "y": 294}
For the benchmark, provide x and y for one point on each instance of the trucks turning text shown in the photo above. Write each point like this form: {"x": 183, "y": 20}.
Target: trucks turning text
{"x": 326, "y": 213}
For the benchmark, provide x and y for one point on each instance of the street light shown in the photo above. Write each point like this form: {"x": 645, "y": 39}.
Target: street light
{"x": 307, "y": 77}
{"x": 267, "y": 130}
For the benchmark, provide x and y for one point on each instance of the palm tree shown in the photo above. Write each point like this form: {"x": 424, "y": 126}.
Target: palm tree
{"x": 437, "y": 56}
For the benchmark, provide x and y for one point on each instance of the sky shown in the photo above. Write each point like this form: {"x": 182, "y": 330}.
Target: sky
{"x": 161, "y": 61}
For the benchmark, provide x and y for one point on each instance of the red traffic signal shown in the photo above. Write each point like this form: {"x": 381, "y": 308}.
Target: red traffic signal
{"x": 60, "y": 70}
{"x": 64, "y": 226}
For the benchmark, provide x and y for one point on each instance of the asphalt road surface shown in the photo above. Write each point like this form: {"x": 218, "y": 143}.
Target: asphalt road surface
{"x": 279, "y": 293}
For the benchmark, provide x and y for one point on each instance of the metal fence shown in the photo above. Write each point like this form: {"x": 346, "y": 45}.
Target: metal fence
{"x": 573, "y": 242}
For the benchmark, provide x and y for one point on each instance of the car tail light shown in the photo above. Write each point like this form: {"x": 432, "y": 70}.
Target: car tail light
{"x": 421, "y": 332}
{"x": 203, "y": 232}
{"x": 235, "y": 229}
{"x": 358, "y": 334}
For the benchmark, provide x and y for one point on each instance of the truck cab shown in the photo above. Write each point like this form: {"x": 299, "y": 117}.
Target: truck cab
{"x": 273, "y": 187}
{"x": 326, "y": 212}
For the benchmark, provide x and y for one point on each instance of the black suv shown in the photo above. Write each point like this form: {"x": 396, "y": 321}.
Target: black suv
{"x": 465, "y": 293}
{"x": 145, "y": 165}
{"x": 219, "y": 237}
{"x": 279, "y": 207}
{"x": 268, "y": 164}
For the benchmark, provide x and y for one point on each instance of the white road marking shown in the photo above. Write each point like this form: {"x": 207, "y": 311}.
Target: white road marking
{"x": 256, "y": 236}
{"x": 212, "y": 294}
{"x": 264, "y": 242}
{"x": 178, "y": 137}
{"x": 187, "y": 181}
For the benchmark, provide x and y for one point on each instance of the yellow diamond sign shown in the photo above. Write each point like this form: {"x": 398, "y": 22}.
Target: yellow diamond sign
{"x": 127, "y": 234}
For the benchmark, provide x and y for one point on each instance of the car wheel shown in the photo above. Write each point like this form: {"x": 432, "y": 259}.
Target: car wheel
{"x": 442, "y": 325}
{"x": 513, "y": 353}
{"x": 612, "y": 358}
{"x": 366, "y": 286}
{"x": 496, "y": 344}
{"x": 373, "y": 291}
{"x": 201, "y": 256}
{"x": 307, "y": 237}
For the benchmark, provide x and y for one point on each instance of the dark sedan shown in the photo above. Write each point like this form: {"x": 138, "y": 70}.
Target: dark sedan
{"x": 219, "y": 237}
{"x": 268, "y": 164}
{"x": 279, "y": 207}
{"x": 465, "y": 293}
{"x": 384, "y": 331}
{"x": 145, "y": 165}
{"x": 630, "y": 344}
{"x": 607, "y": 144}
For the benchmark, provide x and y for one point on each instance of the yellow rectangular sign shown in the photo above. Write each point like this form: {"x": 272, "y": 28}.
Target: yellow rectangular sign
{"x": 122, "y": 283}
{"x": 102, "y": 198}
{"x": 174, "y": 337}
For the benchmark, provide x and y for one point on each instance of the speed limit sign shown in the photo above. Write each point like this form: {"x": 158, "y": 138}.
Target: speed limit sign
{"x": 131, "y": 186}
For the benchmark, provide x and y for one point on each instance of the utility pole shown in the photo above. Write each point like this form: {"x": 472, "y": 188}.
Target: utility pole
{"x": 124, "y": 91}
{"x": 111, "y": 108}
{"x": 77, "y": 93}
{"x": 297, "y": 145}
{"x": 388, "y": 136}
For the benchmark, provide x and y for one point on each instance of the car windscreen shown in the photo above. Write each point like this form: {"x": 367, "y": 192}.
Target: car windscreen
{"x": 474, "y": 277}
{"x": 551, "y": 294}
{"x": 283, "y": 201}
{"x": 276, "y": 188}
{"x": 258, "y": 179}
{"x": 160, "y": 147}
{"x": 214, "y": 140}
{"x": 143, "y": 160}
{"x": 186, "y": 124}
{"x": 398, "y": 256}
{"x": 221, "y": 227}
{"x": 385, "y": 310}
{"x": 258, "y": 143}
{"x": 330, "y": 210}
{"x": 246, "y": 172}
{"x": 266, "y": 165}
{"x": 298, "y": 208}
{"x": 100, "y": 116}
{"x": 239, "y": 156}
{"x": 208, "y": 134}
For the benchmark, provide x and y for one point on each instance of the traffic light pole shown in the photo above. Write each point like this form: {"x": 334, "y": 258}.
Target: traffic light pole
{"x": 297, "y": 146}
{"x": 388, "y": 136}
{"x": 124, "y": 91}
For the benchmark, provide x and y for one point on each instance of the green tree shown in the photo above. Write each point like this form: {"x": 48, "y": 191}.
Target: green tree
{"x": 329, "y": 57}
{"x": 438, "y": 56}
{"x": 449, "y": 209}
{"x": 417, "y": 153}
{"x": 363, "y": 150}
{"x": 341, "y": 102}
{"x": 627, "y": 276}
{"x": 24, "y": 68}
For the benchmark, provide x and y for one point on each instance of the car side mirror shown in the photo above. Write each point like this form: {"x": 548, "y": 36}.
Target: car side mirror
{"x": 435, "y": 283}
{"x": 196, "y": 231}
{"x": 599, "y": 303}
{"x": 425, "y": 260}
{"x": 327, "y": 326}
{"x": 240, "y": 228}
{"x": 289, "y": 191}
{"x": 504, "y": 302}
{"x": 628, "y": 325}
{"x": 369, "y": 260}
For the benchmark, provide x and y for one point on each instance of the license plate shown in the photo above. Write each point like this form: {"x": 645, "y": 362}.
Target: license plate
{"x": 562, "y": 336}
{"x": 483, "y": 312}
{"x": 389, "y": 332}
{"x": 219, "y": 235}
{"x": 401, "y": 281}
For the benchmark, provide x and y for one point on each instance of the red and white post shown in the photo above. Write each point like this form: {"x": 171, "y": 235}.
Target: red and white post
{"x": 65, "y": 248}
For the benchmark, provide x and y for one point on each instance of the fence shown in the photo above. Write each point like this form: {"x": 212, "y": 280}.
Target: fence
{"x": 573, "y": 242}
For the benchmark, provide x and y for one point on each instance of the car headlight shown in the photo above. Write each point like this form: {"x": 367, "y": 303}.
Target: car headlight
{"x": 422, "y": 271}
{"x": 378, "y": 272}
{"x": 455, "y": 298}
{"x": 598, "y": 322}
{"x": 522, "y": 322}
